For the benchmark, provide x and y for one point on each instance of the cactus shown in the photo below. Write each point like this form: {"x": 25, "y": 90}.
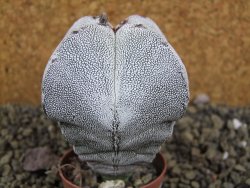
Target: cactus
{"x": 116, "y": 92}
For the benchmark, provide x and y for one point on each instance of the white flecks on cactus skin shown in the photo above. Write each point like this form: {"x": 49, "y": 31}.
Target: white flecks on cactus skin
{"x": 116, "y": 92}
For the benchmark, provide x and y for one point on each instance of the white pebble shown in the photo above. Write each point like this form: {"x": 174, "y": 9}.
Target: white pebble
{"x": 113, "y": 184}
{"x": 243, "y": 143}
{"x": 225, "y": 155}
{"x": 201, "y": 99}
{"x": 237, "y": 124}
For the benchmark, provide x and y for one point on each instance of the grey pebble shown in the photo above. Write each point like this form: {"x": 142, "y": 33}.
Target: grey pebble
{"x": 236, "y": 177}
{"x": 217, "y": 121}
{"x": 174, "y": 180}
{"x": 195, "y": 184}
{"x": 138, "y": 182}
{"x": 192, "y": 110}
{"x": 6, "y": 158}
{"x": 6, "y": 170}
{"x": 182, "y": 185}
{"x": 27, "y": 132}
{"x": 211, "y": 153}
{"x": 190, "y": 175}
{"x": 176, "y": 170}
{"x": 147, "y": 178}
{"x": 173, "y": 185}
{"x": 195, "y": 152}
{"x": 4, "y": 132}
{"x": 201, "y": 99}
{"x": 184, "y": 180}
{"x": 248, "y": 181}
{"x": 227, "y": 185}
{"x": 14, "y": 144}
{"x": 240, "y": 168}
{"x": 187, "y": 136}
{"x": 232, "y": 171}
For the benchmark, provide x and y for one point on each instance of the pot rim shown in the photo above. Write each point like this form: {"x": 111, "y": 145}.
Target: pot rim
{"x": 159, "y": 162}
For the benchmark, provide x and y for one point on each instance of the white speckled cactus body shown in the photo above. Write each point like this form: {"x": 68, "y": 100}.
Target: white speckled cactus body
{"x": 116, "y": 92}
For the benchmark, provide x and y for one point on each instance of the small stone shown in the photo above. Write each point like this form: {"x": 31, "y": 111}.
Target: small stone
{"x": 39, "y": 158}
{"x": 2, "y": 144}
{"x": 195, "y": 152}
{"x": 171, "y": 163}
{"x": 231, "y": 162}
{"x": 14, "y": 144}
{"x": 6, "y": 170}
{"x": 147, "y": 178}
{"x": 15, "y": 165}
{"x": 195, "y": 184}
{"x": 217, "y": 121}
{"x": 20, "y": 130}
{"x": 231, "y": 134}
{"x": 217, "y": 183}
{"x": 237, "y": 124}
{"x": 201, "y": 99}
{"x": 15, "y": 183}
{"x": 4, "y": 132}
{"x": 190, "y": 175}
{"x": 187, "y": 137}
{"x": 176, "y": 170}
{"x": 19, "y": 137}
{"x": 187, "y": 166}
{"x": 235, "y": 177}
{"x": 227, "y": 185}
{"x": 243, "y": 143}
{"x": 51, "y": 179}
{"x": 27, "y": 132}
{"x": 6, "y": 158}
{"x": 173, "y": 185}
{"x": 17, "y": 153}
{"x": 183, "y": 185}
{"x": 174, "y": 180}
{"x": 230, "y": 124}
{"x": 185, "y": 181}
{"x": 92, "y": 180}
{"x": 137, "y": 182}
{"x": 113, "y": 184}
{"x": 167, "y": 156}
{"x": 19, "y": 177}
{"x": 192, "y": 109}
{"x": 232, "y": 151}
{"x": 225, "y": 155}
{"x": 239, "y": 168}
{"x": 248, "y": 181}
{"x": 212, "y": 185}
{"x": 184, "y": 123}
{"x": 211, "y": 152}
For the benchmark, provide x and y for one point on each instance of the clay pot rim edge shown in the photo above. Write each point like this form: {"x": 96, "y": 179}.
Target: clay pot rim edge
{"x": 150, "y": 184}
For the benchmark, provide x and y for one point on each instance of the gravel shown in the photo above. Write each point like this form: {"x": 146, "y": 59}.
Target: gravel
{"x": 209, "y": 148}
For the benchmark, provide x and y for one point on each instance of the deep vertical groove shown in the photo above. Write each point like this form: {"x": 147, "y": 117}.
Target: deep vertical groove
{"x": 115, "y": 74}
{"x": 115, "y": 124}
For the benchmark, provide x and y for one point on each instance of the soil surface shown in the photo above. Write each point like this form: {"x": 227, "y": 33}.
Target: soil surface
{"x": 209, "y": 148}
{"x": 80, "y": 174}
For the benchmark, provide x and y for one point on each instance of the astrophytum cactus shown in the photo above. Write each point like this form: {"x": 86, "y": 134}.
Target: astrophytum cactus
{"x": 116, "y": 92}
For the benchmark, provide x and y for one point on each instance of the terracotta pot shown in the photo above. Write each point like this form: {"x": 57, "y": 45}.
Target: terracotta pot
{"x": 158, "y": 162}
